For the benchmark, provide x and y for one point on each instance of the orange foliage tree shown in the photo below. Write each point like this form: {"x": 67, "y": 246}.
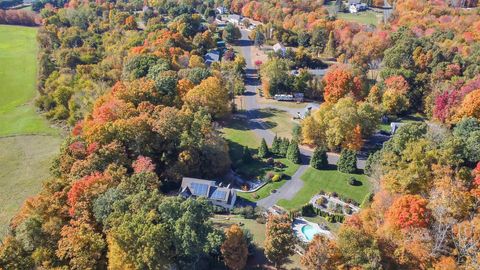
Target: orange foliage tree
{"x": 408, "y": 211}
{"x": 338, "y": 83}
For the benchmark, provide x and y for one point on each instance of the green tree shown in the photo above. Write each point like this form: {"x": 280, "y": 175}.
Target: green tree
{"x": 276, "y": 145}
{"x": 293, "y": 152}
{"x": 231, "y": 33}
{"x": 247, "y": 155}
{"x": 279, "y": 241}
{"x": 347, "y": 163}
{"x": 319, "y": 159}
{"x": 259, "y": 39}
{"x": 263, "y": 151}
{"x": 284, "y": 147}
{"x": 358, "y": 248}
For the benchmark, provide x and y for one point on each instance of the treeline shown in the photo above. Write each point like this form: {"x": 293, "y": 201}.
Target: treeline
{"x": 19, "y": 17}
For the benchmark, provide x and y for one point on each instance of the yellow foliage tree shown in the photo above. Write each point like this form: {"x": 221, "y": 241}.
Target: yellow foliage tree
{"x": 211, "y": 95}
{"x": 234, "y": 249}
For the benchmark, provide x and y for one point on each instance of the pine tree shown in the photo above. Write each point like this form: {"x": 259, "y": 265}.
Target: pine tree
{"x": 263, "y": 150}
{"x": 276, "y": 145}
{"x": 347, "y": 163}
{"x": 330, "y": 48}
{"x": 319, "y": 159}
{"x": 284, "y": 147}
{"x": 293, "y": 153}
{"x": 247, "y": 155}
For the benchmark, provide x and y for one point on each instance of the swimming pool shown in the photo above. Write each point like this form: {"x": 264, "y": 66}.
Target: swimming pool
{"x": 309, "y": 231}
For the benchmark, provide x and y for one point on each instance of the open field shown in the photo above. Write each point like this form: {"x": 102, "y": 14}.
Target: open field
{"x": 258, "y": 231}
{"x": 25, "y": 155}
{"x": 17, "y": 82}
{"x": 328, "y": 181}
{"x": 24, "y": 164}
{"x": 278, "y": 121}
{"x": 364, "y": 17}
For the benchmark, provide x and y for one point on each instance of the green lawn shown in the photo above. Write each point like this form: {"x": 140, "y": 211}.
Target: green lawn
{"x": 266, "y": 190}
{"x": 364, "y": 17}
{"x": 25, "y": 155}
{"x": 24, "y": 164}
{"x": 278, "y": 121}
{"x": 329, "y": 181}
{"x": 258, "y": 232}
{"x": 18, "y": 69}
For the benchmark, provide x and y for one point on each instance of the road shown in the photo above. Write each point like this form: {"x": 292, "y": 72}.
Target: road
{"x": 251, "y": 106}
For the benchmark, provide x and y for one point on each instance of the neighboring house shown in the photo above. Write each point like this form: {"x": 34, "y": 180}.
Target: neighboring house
{"x": 221, "y": 10}
{"x": 283, "y": 97}
{"x": 279, "y": 48}
{"x": 211, "y": 57}
{"x": 234, "y": 18}
{"x": 220, "y": 196}
{"x": 394, "y": 126}
{"x": 355, "y": 6}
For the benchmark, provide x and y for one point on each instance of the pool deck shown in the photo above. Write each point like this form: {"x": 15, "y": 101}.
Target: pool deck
{"x": 298, "y": 224}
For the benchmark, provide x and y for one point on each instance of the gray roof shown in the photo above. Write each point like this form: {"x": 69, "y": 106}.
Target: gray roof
{"x": 205, "y": 188}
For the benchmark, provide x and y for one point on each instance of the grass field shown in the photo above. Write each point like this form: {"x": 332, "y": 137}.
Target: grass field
{"x": 266, "y": 190}
{"x": 258, "y": 231}
{"x": 364, "y": 17}
{"x": 329, "y": 181}
{"x": 27, "y": 142}
{"x": 17, "y": 82}
{"x": 278, "y": 121}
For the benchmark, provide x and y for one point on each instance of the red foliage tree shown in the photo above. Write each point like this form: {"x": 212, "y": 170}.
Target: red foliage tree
{"x": 338, "y": 83}
{"x": 409, "y": 211}
{"x": 143, "y": 164}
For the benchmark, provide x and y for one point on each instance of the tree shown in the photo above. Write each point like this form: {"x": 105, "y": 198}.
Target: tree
{"x": 259, "y": 39}
{"x": 319, "y": 159}
{"x": 234, "y": 249}
{"x": 275, "y": 77}
{"x": 293, "y": 152}
{"x": 358, "y": 248}
{"x": 263, "y": 150}
{"x": 347, "y": 163}
{"x": 339, "y": 82}
{"x": 394, "y": 99}
{"x": 321, "y": 254}
{"x": 470, "y": 105}
{"x": 211, "y": 95}
{"x": 276, "y": 144}
{"x": 284, "y": 147}
{"x": 247, "y": 155}
{"x": 409, "y": 211}
{"x": 330, "y": 47}
{"x": 231, "y": 33}
{"x": 279, "y": 241}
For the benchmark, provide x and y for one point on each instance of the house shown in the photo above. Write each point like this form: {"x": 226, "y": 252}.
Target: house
{"x": 298, "y": 97}
{"x": 211, "y": 57}
{"x": 220, "y": 196}
{"x": 394, "y": 127}
{"x": 355, "y": 6}
{"x": 279, "y": 48}
{"x": 283, "y": 97}
{"x": 234, "y": 18}
{"x": 221, "y": 10}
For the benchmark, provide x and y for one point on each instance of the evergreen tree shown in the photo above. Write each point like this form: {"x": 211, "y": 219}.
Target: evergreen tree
{"x": 348, "y": 161}
{"x": 319, "y": 159}
{"x": 276, "y": 145}
{"x": 247, "y": 155}
{"x": 330, "y": 48}
{"x": 293, "y": 153}
{"x": 263, "y": 150}
{"x": 284, "y": 147}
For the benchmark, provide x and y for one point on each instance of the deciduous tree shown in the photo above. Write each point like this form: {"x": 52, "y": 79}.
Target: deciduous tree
{"x": 234, "y": 249}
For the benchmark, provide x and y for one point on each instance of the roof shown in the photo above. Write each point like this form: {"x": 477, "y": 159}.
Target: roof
{"x": 353, "y": 2}
{"x": 212, "y": 56}
{"x": 234, "y": 17}
{"x": 205, "y": 188}
{"x": 278, "y": 47}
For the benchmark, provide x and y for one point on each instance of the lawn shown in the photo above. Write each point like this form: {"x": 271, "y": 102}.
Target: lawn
{"x": 278, "y": 121}
{"x": 24, "y": 164}
{"x": 266, "y": 190}
{"x": 364, "y": 17}
{"x": 18, "y": 69}
{"x": 258, "y": 231}
{"x": 329, "y": 181}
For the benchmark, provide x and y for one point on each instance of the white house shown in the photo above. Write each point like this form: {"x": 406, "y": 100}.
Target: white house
{"x": 212, "y": 56}
{"x": 355, "y": 6}
{"x": 234, "y": 18}
{"x": 220, "y": 196}
{"x": 279, "y": 48}
{"x": 221, "y": 10}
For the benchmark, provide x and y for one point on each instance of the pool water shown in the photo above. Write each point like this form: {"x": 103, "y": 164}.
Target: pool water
{"x": 309, "y": 232}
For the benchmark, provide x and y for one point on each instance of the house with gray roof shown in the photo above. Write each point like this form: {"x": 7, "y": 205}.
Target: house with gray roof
{"x": 220, "y": 196}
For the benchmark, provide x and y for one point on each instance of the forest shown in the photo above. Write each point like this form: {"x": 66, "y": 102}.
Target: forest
{"x": 141, "y": 105}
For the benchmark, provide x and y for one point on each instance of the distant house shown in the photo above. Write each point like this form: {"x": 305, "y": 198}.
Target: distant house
{"x": 234, "y": 18}
{"x": 221, "y": 196}
{"x": 355, "y": 6}
{"x": 279, "y": 48}
{"x": 221, "y": 10}
{"x": 283, "y": 97}
{"x": 394, "y": 127}
{"x": 211, "y": 57}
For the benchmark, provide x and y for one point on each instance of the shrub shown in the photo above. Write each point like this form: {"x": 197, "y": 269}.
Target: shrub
{"x": 245, "y": 212}
{"x": 277, "y": 177}
{"x": 321, "y": 201}
{"x": 279, "y": 165}
{"x": 308, "y": 210}
{"x": 348, "y": 161}
{"x": 270, "y": 162}
{"x": 268, "y": 176}
{"x": 352, "y": 181}
{"x": 261, "y": 220}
